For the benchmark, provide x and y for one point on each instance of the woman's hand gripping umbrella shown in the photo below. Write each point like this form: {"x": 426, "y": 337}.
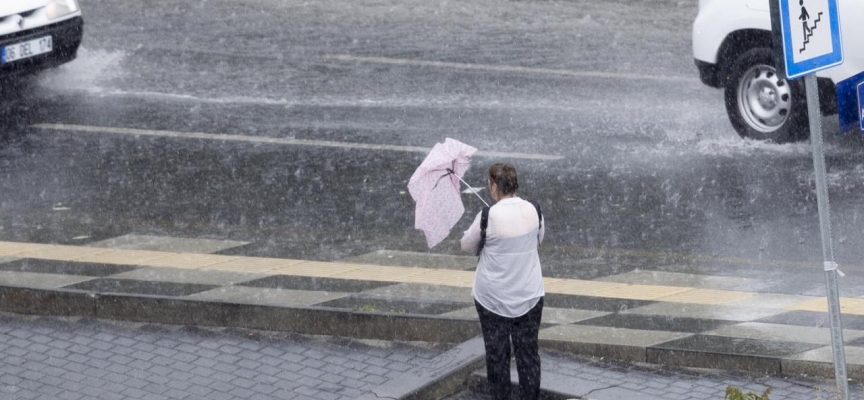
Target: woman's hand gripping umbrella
{"x": 435, "y": 189}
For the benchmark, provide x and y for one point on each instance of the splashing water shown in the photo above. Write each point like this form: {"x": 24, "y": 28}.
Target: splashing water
{"x": 89, "y": 72}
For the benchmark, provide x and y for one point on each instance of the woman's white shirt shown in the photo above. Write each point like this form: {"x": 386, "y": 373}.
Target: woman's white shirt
{"x": 508, "y": 280}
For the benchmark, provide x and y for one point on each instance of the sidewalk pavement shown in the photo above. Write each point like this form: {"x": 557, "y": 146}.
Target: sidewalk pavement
{"x": 75, "y": 358}
{"x": 647, "y": 316}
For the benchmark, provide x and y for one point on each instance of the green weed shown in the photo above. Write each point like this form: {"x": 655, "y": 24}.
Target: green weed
{"x": 733, "y": 393}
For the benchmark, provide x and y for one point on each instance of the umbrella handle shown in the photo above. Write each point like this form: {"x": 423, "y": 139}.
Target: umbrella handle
{"x": 473, "y": 190}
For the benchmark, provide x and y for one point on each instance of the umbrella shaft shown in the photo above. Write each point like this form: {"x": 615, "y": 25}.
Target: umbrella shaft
{"x": 472, "y": 190}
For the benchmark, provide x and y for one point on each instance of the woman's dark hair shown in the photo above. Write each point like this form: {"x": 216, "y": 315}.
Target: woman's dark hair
{"x": 504, "y": 176}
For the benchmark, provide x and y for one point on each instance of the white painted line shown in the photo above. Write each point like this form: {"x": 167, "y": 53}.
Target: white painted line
{"x": 508, "y": 68}
{"x": 271, "y": 140}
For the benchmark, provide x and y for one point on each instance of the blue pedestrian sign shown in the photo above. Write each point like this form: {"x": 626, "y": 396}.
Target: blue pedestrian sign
{"x": 806, "y": 36}
{"x": 861, "y": 104}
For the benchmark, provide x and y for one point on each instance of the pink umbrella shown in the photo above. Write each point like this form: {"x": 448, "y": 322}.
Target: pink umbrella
{"x": 435, "y": 189}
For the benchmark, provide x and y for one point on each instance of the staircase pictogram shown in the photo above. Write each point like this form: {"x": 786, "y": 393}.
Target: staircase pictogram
{"x": 810, "y": 33}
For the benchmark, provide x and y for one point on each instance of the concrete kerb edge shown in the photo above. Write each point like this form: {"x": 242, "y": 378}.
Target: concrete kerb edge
{"x": 601, "y": 350}
{"x": 818, "y": 369}
{"x": 354, "y": 324}
{"x": 34, "y": 301}
{"x": 442, "y": 376}
{"x": 762, "y": 365}
{"x": 179, "y": 311}
{"x": 477, "y": 380}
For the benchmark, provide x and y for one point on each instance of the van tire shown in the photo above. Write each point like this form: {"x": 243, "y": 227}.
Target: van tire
{"x": 762, "y": 106}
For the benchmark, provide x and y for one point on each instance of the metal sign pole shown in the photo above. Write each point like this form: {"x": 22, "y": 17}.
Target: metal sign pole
{"x": 827, "y": 243}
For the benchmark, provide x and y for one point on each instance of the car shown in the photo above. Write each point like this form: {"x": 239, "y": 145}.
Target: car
{"x": 733, "y": 50}
{"x": 37, "y": 34}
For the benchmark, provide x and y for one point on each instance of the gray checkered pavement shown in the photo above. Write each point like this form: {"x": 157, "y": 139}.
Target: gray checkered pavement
{"x": 72, "y": 359}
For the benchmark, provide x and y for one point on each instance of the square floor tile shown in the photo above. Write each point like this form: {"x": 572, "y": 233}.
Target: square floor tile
{"x": 64, "y": 267}
{"x": 178, "y": 275}
{"x": 657, "y": 323}
{"x": 727, "y": 313}
{"x": 721, "y": 345}
{"x": 814, "y": 319}
{"x": 315, "y": 284}
{"x": 40, "y": 281}
{"x": 609, "y": 335}
{"x": 423, "y": 292}
{"x": 263, "y": 296}
{"x": 140, "y": 287}
{"x": 592, "y": 303}
{"x": 394, "y": 305}
{"x": 787, "y": 333}
{"x": 725, "y": 353}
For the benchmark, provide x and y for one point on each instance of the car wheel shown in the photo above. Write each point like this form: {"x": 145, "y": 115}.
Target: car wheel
{"x": 762, "y": 106}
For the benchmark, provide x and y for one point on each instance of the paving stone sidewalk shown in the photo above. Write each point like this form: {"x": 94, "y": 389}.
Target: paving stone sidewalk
{"x": 52, "y": 358}
{"x": 80, "y": 358}
{"x": 655, "y": 316}
{"x": 629, "y": 381}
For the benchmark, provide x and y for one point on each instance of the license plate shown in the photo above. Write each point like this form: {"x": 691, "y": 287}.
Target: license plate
{"x": 30, "y": 48}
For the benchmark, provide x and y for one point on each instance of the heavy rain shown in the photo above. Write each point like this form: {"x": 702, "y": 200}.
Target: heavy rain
{"x": 215, "y": 199}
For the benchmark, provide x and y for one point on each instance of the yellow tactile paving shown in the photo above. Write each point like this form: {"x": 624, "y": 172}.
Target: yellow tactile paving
{"x": 380, "y": 273}
{"x": 253, "y": 264}
{"x": 124, "y": 257}
{"x": 394, "y": 274}
{"x": 847, "y": 305}
{"x": 14, "y": 248}
{"x": 546, "y": 281}
{"x": 580, "y": 287}
{"x": 707, "y": 296}
{"x": 443, "y": 277}
{"x": 317, "y": 269}
{"x": 62, "y": 253}
{"x": 642, "y": 292}
{"x": 187, "y": 260}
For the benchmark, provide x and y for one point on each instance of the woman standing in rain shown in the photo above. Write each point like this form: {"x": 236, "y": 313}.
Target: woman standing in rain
{"x": 508, "y": 286}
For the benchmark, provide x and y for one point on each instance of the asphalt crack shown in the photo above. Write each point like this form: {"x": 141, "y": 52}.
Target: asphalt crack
{"x": 585, "y": 396}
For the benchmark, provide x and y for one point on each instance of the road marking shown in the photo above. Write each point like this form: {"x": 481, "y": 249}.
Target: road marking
{"x": 508, "y": 68}
{"x": 284, "y": 141}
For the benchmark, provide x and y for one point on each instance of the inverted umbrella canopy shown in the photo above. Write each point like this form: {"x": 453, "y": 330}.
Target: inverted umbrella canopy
{"x": 435, "y": 189}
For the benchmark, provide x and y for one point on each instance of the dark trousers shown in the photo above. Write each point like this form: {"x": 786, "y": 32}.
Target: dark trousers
{"x": 498, "y": 332}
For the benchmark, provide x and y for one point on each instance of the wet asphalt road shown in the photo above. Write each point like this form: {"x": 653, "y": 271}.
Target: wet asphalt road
{"x": 651, "y": 168}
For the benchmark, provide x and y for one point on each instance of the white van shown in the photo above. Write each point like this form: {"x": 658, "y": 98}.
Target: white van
{"x": 732, "y": 45}
{"x": 37, "y": 34}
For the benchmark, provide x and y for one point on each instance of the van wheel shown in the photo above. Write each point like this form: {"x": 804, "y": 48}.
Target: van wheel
{"x": 762, "y": 106}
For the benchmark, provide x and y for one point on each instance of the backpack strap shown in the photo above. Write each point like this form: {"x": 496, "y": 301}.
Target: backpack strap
{"x": 484, "y": 223}
{"x": 539, "y": 214}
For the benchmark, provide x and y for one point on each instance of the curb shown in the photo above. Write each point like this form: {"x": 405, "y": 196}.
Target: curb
{"x": 368, "y": 325}
{"x": 443, "y": 376}
{"x": 175, "y": 311}
{"x": 559, "y": 387}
